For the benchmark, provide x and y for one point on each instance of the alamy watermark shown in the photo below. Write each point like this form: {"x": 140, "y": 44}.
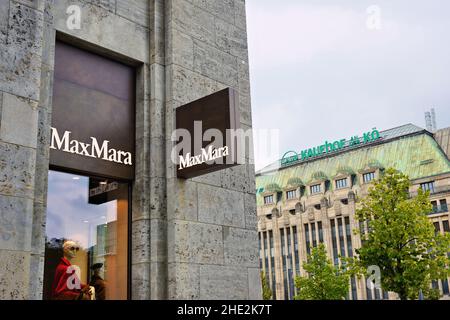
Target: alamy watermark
{"x": 373, "y": 21}
{"x": 73, "y": 21}
{"x": 213, "y": 146}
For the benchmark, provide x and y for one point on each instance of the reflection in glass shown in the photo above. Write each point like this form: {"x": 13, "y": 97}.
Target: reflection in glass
{"x": 93, "y": 213}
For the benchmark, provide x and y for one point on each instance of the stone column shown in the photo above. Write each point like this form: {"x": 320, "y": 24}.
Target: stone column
{"x": 21, "y": 34}
{"x": 212, "y": 230}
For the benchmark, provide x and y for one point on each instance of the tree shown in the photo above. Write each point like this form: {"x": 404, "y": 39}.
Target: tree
{"x": 400, "y": 238}
{"x": 324, "y": 280}
{"x": 266, "y": 292}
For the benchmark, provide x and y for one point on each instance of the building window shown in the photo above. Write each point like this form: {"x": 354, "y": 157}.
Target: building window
{"x": 369, "y": 176}
{"x": 445, "y": 289}
{"x": 341, "y": 237}
{"x": 313, "y": 234}
{"x": 307, "y": 240}
{"x": 260, "y": 252}
{"x": 86, "y": 231}
{"x": 349, "y": 237}
{"x": 297, "y": 262}
{"x": 327, "y": 186}
{"x": 437, "y": 228}
{"x": 353, "y": 288}
{"x": 272, "y": 262}
{"x": 268, "y": 199}
{"x": 315, "y": 189}
{"x": 427, "y": 186}
{"x": 354, "y": 179}
{"x": 445, "y": 226}
{"x": 434, "y": 206}
{"x": 341, "y": 183}
{"x": 284, "y": 257}
{"x": 368, "y": 291}
{"x": 302, "y": 191}
{"x": 290, "y": 265}
{"x": 319, "y": 227}
{"x": 292, "y": 194}
{"x": 443, "y": 204}
{"x": 334, "y": 242}
{"x": 266, "y": 253}
{"x": 439, "y": 207}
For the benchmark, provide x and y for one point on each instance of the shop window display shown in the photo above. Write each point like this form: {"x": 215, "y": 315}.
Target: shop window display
{"x": 86, "y": 256}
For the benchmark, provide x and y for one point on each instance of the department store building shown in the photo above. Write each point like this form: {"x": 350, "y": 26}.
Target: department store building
{"x": 310, "y": 197}
{"x": 89, "y": 92}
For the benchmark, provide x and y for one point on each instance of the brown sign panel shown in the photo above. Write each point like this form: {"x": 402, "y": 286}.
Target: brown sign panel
{"x": 93, "y": 117}
{"x": 205, "y": 120}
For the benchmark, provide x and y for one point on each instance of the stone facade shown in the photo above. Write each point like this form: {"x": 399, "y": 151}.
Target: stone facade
{"x": 191, "y": 239}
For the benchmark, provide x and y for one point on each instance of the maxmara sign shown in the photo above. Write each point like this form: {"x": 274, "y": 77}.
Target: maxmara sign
{"x": 93, "y": 149}
{"x": 93, "y": 119}
{"x": 208, "y": 155}
{"x": 330, "y": 147}
{"x": 204, "y": 134}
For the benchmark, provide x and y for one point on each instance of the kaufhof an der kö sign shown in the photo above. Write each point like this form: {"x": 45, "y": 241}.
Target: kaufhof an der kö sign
{"x": 329, "y": 147}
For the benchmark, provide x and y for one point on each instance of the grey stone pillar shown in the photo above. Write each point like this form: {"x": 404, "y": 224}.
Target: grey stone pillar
{"x": 212, "y": 236}
{"x": 21, "y": 42}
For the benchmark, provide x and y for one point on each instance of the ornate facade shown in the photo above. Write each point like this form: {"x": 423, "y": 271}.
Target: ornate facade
{"x": 310, "y": 201}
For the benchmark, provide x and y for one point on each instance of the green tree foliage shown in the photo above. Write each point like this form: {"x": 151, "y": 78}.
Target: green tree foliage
{"x": 324, "y": 280}
{"x": 400, "y": 239}
{"x": 266, "y": 292}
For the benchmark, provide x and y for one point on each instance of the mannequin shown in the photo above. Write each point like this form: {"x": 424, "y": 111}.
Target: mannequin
{"x": 97, "y": 282}
{"x": 67, "y": 284}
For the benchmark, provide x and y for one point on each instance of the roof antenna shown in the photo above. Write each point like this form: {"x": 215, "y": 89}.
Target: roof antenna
{"x": 430, "y": 120}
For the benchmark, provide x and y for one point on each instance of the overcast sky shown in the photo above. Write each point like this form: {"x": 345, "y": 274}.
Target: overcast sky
{"x": 329, "y": 69}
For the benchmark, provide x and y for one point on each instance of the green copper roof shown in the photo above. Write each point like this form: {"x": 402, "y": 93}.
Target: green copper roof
{"x": 415, "y": 153}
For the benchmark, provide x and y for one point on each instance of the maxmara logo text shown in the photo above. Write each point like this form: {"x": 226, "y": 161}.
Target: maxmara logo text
{"x": 207, "y": 155}
{"x": 93, "y": 149}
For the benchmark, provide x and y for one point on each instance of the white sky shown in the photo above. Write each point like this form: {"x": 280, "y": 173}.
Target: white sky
{"x": 319, "y": 73}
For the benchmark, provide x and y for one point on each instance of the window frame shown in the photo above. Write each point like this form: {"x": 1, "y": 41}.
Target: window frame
{"x": 271, "y": 196}
{"x": 292, "y": 192}
{"x": 337, "y": 182}
{"x": 368, "y": 174}
{"x": 427, "y": 186}
{"x": 313, "y": 187}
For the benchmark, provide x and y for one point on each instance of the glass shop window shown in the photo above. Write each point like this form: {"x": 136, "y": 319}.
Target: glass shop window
{"x": 86, "y": 248}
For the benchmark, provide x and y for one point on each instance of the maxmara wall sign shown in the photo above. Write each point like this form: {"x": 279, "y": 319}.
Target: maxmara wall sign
{"x": 330, "y": 147}
{"x": 93, "y": 116}
{"x": 204, "y": 134}
{"x": 93, "y": 149}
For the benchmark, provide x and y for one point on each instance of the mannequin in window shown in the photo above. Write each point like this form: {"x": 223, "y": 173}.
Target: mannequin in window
{"x": 97, "y": 282}
{"x": 67, "y": 284}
